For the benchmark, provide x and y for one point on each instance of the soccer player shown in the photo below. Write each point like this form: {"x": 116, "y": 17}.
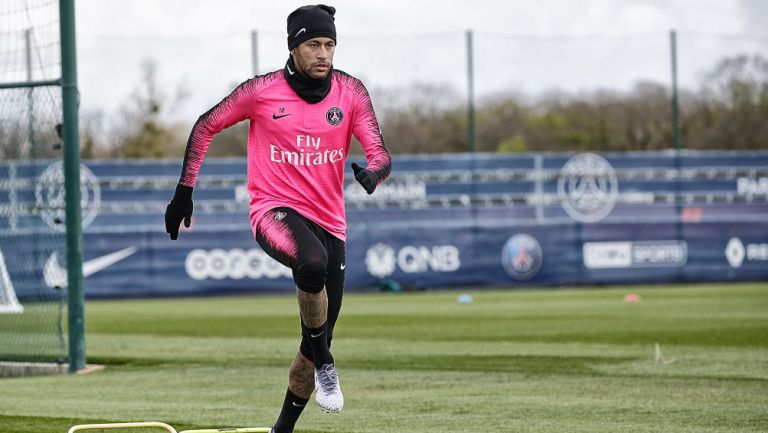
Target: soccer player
{"x": 302, "y": 119}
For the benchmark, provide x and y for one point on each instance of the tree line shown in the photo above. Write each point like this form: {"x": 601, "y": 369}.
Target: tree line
{"x": 729, "y": 111}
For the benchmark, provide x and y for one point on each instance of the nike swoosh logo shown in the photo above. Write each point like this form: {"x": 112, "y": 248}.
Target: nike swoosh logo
{"x": 297, "y": 405}
{"x": 343, "y": 266}
{"x": 289, "y": 69}
{"x": 275, "y": 116}
{"x": 300, "y": 32}
{"x": 56, "y": 276}
{"x": 315, "y": 336}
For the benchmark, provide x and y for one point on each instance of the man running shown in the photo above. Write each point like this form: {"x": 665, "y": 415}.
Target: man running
{"x": 302, "y": 119}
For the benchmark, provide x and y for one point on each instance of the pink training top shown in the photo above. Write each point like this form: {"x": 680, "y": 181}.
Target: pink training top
{"x": 296, "y": 150}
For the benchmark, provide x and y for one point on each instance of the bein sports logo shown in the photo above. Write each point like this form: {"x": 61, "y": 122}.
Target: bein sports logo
{"x": 236, "y": 264}
{"x": 381, "y": 260}
{"x": 522, "y": 257}
{"x": 50, "y": 196}
{"x": 587, "y": 187}
{"x": 634, "y": 254}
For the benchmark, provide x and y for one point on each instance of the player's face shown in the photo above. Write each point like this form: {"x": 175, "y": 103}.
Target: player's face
{"x": 315, "y": 56}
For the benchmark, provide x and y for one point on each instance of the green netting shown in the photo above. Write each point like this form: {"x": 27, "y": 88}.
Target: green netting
{"x": 31, "y": 191}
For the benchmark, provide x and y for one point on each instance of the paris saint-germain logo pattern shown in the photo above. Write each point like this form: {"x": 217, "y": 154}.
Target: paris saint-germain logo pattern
{"x": 334, "y": 116}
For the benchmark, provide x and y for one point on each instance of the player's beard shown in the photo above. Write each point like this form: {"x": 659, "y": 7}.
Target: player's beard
{"x": 310, "y": 70}
{"x": 310, "y": 89}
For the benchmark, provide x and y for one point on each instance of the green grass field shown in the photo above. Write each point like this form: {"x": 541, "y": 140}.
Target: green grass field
{"x": 511, "y": 361}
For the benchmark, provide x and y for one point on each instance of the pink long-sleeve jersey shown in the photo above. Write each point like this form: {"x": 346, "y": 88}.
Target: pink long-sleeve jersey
{"x": 296, "y": 150}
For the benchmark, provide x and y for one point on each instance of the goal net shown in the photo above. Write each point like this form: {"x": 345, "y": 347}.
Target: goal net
{"x": 31, "y": 204}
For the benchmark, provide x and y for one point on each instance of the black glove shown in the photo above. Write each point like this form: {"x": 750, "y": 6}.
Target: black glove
{"x": 365, "y": 178}
{"x": 180, "y": 208}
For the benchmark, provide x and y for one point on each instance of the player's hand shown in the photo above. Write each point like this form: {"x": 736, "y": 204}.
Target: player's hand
{"x": 364, "y": 177}
{"x": 180, "y": 208}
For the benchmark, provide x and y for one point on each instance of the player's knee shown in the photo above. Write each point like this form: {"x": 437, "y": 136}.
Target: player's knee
{"x": 311, "y": 273}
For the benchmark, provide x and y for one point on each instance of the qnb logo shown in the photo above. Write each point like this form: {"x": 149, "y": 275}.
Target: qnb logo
{"x": 587, "y": 187}
{"x": 382, "y": 260}
{"x": 236, "y": 264}
{"x": 522, "y": 256}
{"x": 50, "y": 197}
{"x": 737, "y": 253}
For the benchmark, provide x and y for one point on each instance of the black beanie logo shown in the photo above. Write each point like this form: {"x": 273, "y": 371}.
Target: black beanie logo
{"x": 309, "y": 22}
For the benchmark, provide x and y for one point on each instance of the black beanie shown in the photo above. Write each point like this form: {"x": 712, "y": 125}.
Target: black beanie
{"x": 309, "y": 22}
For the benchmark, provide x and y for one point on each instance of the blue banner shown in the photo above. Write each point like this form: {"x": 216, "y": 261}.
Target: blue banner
{"x": 439, "y": 221}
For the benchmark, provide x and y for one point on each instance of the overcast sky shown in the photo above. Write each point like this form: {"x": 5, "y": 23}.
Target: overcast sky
{"x": 525, "y": 46}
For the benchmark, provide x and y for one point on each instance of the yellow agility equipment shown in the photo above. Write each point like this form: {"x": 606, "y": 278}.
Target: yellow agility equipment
{"x": 148, "y": 424}
{"x": 232, "y": 430}
{"x": 155, "y": 424}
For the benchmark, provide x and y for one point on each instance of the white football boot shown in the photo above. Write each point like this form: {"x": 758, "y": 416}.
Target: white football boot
{"x": 328, "y": 391}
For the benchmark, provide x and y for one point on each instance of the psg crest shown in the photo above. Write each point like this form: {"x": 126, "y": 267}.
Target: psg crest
{"x": 334, "y": 116}
{"x": 522, "y": 256}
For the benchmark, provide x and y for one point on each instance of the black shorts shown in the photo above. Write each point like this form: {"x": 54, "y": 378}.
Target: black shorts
{"x": 315, "y": 256}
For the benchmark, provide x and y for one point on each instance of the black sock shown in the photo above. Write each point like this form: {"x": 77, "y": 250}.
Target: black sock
{"x": 318, "y": 342}
{"x": 292, "y": 407}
